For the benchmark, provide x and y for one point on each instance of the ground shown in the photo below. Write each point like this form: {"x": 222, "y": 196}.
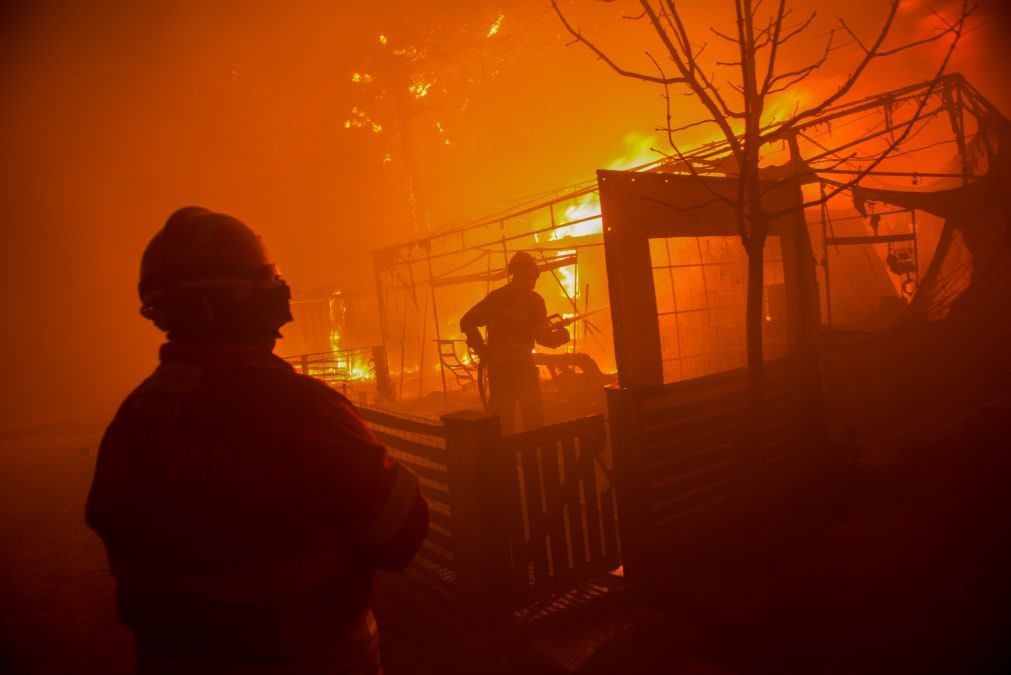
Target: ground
{"x": 908, "y": 572}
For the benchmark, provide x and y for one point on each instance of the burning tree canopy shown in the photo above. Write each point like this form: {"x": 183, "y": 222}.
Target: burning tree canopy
{"x": 409, "y": 89}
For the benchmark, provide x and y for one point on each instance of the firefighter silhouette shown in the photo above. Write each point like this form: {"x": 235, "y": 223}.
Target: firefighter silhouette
{"x": 516, "y": 318}
{"x": 244, "y": 508}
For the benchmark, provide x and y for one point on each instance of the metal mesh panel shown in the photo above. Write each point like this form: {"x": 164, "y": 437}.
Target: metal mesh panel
{"x": 701, "y": 290}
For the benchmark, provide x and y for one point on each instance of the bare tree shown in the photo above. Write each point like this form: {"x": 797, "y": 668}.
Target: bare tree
{"x": 755, "y": 74}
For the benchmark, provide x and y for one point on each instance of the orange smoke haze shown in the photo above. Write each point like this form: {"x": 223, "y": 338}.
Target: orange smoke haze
{"x": 116, "y": 113}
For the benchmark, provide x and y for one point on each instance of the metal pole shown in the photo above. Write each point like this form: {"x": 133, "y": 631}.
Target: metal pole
{"x": 438, "y": 332}
{"x": 824, "y": 259}
{"x": 381, "y": 307}
{"x": 421, "y": 358}
{"x": 916, "y": 251}
{"x": 505, "y": 250}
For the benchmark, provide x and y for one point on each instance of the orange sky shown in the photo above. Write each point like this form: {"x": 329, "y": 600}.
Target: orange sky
{"x": 116, "y": 113}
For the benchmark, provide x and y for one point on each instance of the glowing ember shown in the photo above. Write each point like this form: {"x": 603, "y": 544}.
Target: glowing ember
{"x": 361, "y": 78}
{"x": 360, "y": 119}
{"x": 420, "y": 89}
{"x": 442, "y": 132}
{"x": 382, "y": 40}
{"x": 493, "y": 30}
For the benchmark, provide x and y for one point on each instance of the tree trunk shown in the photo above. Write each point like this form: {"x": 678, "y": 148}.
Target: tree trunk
{"x": 754, "y": 318}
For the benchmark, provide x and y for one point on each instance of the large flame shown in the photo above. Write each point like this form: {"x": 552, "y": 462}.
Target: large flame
{"x": 582, "y": 219}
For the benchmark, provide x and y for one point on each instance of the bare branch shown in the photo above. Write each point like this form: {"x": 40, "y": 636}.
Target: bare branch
{"x": 917, "y": 116}
{"x": 578, "y": 38}
{"x": 693, "y": 78}
{"x": 873, "y": 52}
{"x": 852, "y": 35}
{"x": 796, "y": 30}
{"x": 672, "y": 16}
{"x": 764, "y": 36}
{"x": 670, "y": 133}
{"x": 917, "y": 43}
{"x": 774, "y": 84}
{"x": 686, "y": 126}
{"x": 777, "y": 27}
{"x": 723, "y": 35}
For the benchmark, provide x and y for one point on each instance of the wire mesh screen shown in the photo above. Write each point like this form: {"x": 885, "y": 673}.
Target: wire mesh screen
{"x": 701, "y": 292}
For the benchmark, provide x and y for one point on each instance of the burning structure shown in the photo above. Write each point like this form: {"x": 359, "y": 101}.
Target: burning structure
{"x": 885, "y": 249}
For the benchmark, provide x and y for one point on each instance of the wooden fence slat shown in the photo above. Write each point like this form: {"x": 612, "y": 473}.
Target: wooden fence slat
{"x": 431, "y": 584}
{"x": 432, "y": 473}
{"x": 441, "y": 519}
{"x": 574, "y": 476}
{"x": 431, "y": 453}
{"x": 666, "y": 446}
{"x": 684, "y": 519}
{"x": 553, "y": 433}
{"x": 710, "y": 409}
{"x": 709, "y": 493}
{"x": 659, "y": 488}
{"x": 435, "y": 493}
{"x": 690, "y": 462}
{"x": 435, "y": 557}
{"x": 440, "y": 539}
{"x": 554, "y": 503}
{"x": 387, "y": 419}
{"x": 610, "y": 525}
{"x": 517, "y": 533}
{"x": 589, "y": 447}
{"x": 537, "y": 546}
{"x": 411, "y": 593}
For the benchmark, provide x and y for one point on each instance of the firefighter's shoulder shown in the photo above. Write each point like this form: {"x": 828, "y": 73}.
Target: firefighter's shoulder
{"x": 310, "y": 405}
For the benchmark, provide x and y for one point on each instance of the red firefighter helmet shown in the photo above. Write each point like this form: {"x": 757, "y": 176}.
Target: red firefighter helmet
{"x": 199, "y": 250}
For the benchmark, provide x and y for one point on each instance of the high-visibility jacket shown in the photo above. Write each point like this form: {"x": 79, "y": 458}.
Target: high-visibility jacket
{"x": 245, "y": 509}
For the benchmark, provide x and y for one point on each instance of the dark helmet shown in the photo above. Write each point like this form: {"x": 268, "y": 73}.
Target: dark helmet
{"x": 202, "y": 254}
{"x": 522, "y": 264}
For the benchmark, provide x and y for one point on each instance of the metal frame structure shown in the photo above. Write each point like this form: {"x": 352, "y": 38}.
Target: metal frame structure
{"x": 827, "y": 160}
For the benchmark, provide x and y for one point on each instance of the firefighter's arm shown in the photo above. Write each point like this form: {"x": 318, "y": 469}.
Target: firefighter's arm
{"x": 475, "y": 317}
{"x": 544, "y": 333}
{"x": 369, "y": 495}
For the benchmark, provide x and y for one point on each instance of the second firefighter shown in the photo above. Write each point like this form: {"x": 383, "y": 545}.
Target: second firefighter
{"x": 516, "y": 317}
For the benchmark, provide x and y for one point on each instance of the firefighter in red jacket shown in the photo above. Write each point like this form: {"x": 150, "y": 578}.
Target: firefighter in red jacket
{"x": 516, "y": 317}
{"x": 244, "y": 508}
